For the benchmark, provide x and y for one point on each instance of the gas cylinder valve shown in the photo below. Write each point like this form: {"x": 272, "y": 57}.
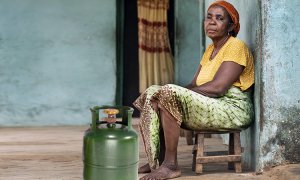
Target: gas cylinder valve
{"x": 111, "y": 119}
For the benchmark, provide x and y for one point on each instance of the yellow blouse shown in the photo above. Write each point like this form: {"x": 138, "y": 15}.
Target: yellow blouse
{"x": 234, "y": 50}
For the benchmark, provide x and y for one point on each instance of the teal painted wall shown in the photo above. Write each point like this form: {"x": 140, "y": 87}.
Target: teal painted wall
{"x": 189, "y": 42}
{"x": 58, "y": 59}
{"x": 280, "y": 95}
{"x": 250, "y": 33}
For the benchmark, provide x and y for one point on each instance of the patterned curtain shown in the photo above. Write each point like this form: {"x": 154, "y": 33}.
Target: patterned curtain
{"x": 156, "y": 64}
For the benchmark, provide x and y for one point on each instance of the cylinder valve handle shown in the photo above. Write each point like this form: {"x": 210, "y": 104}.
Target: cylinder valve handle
{"x": 111, "y": 119}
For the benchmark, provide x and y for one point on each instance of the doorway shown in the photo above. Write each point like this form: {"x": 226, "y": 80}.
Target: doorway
{"x": 130, "y": 79}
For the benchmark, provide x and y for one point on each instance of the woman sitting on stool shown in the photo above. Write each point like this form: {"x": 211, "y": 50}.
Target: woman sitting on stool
{"x": 218, "y": 98}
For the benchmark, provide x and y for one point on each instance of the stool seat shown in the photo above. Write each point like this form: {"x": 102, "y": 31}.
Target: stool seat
{"x": 234, "y": 152}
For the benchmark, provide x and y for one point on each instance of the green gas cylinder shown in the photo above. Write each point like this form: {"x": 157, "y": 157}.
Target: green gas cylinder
{"x": 110, "y": 147}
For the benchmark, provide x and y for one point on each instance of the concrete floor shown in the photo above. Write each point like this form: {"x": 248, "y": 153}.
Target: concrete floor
{"x": 55, "y": 153}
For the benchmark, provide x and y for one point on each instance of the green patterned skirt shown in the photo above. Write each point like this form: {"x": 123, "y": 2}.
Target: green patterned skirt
{"x": 190, "y": 110}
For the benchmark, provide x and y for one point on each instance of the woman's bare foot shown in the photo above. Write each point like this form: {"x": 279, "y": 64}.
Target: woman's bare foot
{"x": 165, "y": 171}
{"x": 144, "y": 169}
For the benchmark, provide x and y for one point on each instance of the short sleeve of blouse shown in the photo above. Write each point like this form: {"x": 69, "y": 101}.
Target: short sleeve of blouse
{"x": 237, "y": 52}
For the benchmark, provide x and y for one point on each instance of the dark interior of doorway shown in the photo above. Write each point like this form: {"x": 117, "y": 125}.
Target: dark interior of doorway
{"x": 130, "y": 51}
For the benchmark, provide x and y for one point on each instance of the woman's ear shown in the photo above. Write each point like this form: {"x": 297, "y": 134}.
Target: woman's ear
{"x": 231, "y": 27}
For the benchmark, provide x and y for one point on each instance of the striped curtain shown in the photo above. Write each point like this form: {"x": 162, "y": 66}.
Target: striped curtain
{"x": 156, "y": 63}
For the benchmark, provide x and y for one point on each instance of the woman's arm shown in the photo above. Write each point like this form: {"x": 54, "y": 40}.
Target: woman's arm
{"x": 226, "y": 75}
{"x": 193, "y": 83}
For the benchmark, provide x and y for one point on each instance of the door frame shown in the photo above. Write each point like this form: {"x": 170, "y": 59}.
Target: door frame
{"x": 119, "y": 52}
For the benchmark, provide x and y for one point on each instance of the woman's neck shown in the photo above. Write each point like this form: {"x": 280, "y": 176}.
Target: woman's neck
{"x": 217, "y": 46}
{"x": 220, "y": 42}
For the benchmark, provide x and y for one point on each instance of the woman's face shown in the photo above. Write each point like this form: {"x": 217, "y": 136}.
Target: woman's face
{"x": 217, "y": 23}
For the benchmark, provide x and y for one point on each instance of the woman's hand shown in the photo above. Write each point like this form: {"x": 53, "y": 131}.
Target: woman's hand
{"x": 193, "y": 83}
{"x": 190, "y": 86}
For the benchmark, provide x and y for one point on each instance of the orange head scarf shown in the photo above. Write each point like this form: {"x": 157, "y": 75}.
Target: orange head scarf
{"x": 232, "y": 12}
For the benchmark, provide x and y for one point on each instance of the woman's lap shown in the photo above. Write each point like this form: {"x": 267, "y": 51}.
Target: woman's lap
{"x": 197, "y": 112}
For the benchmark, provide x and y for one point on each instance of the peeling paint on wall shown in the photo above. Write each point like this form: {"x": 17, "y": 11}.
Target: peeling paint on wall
{"x": 279, "y": 134}
{"x": 287, "y": 139}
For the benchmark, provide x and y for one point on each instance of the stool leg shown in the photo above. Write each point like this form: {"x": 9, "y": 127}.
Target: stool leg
{"x": 189, "y": 137}
{"x": 207, "y": 135}
{"x": 231, "y": 150}
{"x": 200, "y": 148}
{"x": 181, "y": 133}
{"x": 194, "y": 161}
{"x": 237, "y": 151}
{"x": 194, "y": 155}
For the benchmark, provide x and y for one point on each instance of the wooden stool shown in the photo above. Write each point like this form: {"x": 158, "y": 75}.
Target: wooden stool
{"x": 234, "y": 152}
